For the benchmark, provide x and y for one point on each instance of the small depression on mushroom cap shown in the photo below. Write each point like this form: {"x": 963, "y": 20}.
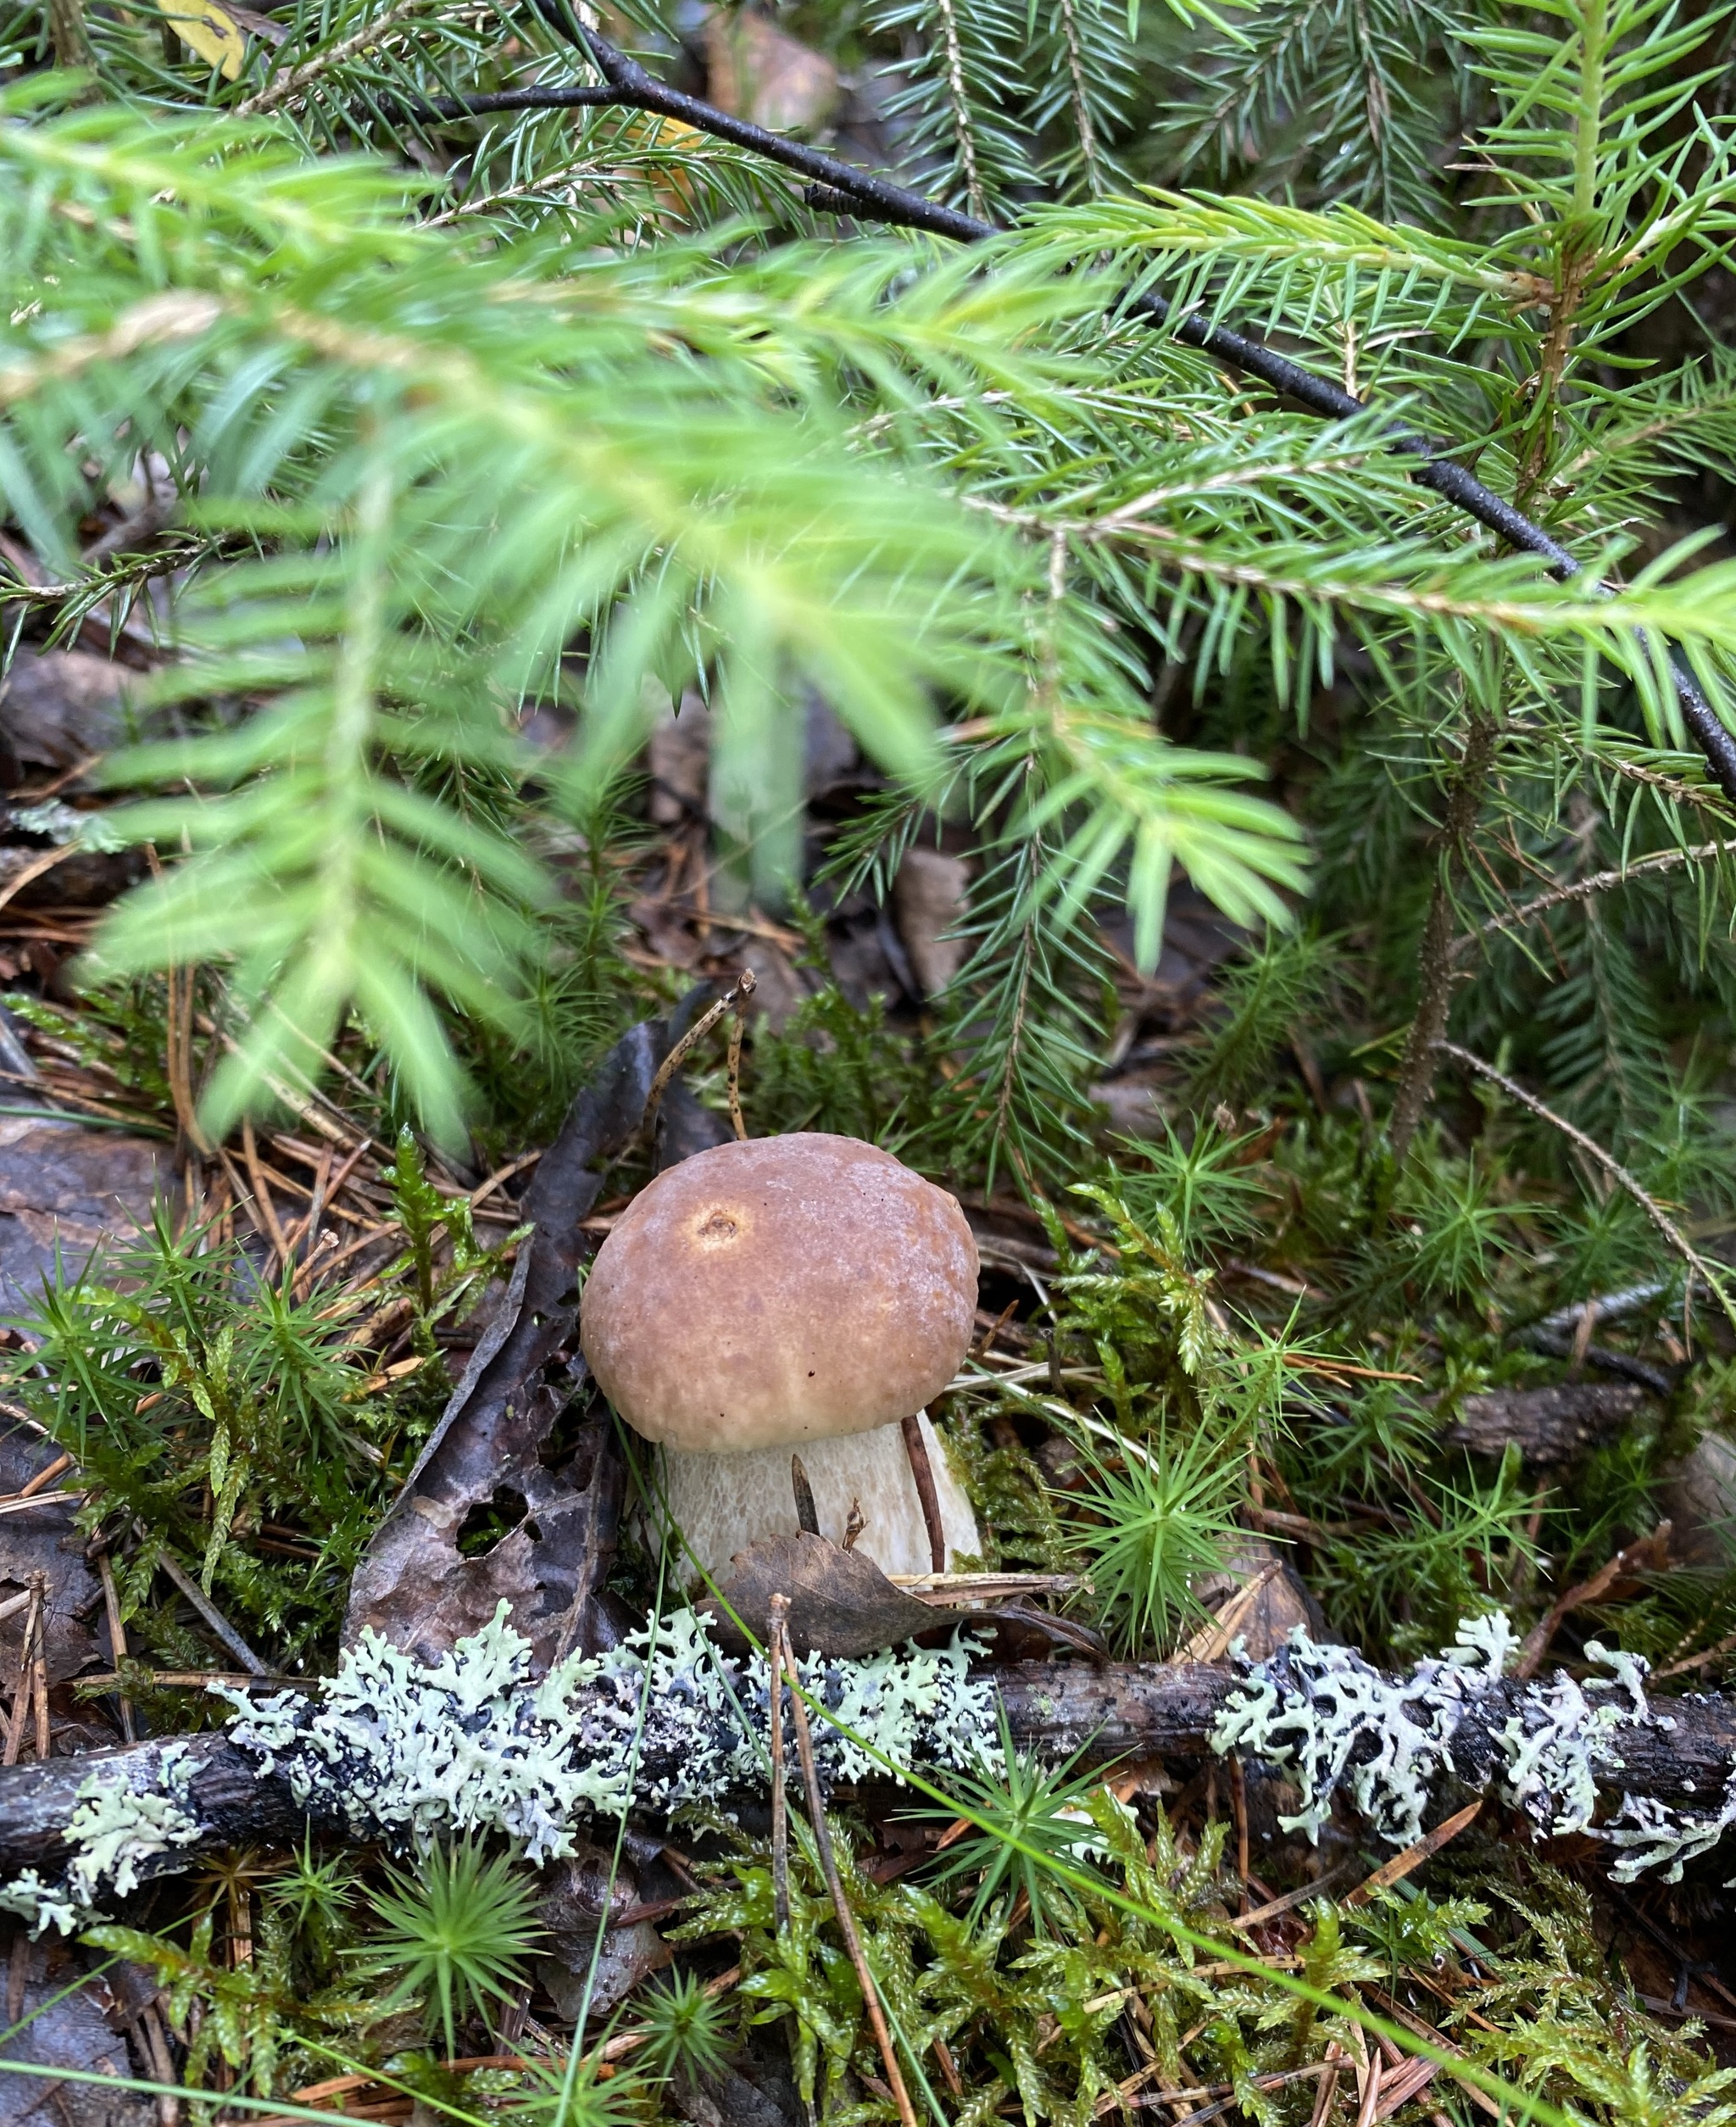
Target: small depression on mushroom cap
{"x": 717, "y": 1228}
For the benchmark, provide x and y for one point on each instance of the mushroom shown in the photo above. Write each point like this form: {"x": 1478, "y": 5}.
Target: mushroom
{"x": 777, "y": 1313}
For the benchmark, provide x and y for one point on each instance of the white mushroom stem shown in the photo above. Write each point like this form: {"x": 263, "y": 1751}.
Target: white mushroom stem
{"x": 723, "y": 1503}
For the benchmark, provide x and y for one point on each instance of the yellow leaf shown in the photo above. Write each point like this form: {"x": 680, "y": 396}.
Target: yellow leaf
{"x": 205, "y": 25}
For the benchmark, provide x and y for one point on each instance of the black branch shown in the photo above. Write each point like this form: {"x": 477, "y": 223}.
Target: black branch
{"x": 1680, "y": 1759}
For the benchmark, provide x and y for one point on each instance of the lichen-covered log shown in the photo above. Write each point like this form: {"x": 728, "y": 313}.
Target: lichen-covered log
{"x": 394, "y": 1749}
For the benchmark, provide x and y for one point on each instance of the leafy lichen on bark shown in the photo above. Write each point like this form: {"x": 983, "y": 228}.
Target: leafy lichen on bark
{"x": 1326, "y": 1715}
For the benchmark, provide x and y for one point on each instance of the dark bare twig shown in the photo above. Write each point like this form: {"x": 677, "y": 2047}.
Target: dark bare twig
{"x": 1651, "y": 1554}
{"x": 1434, "y": 993}
{"x": 206, "y": 1609}
{"x": 916, "y": 1449}
{"x": 1612, "y": 1167}
{"x": 1111, "y": 1711}
{"x": 838, "y": 185}
{"x": 738, "y": 1027}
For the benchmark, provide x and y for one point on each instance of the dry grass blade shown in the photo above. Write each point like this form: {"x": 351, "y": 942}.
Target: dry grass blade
{"x": 780, "y": 1800}
{"x": 1414, "y": 1856}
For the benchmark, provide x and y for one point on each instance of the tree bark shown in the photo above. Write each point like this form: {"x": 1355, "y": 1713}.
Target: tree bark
{"x": 1125, "y": 1711}
{"x": 1434, "y": 993}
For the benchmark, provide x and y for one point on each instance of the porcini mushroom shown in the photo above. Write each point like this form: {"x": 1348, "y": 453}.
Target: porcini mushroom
{"x": 803, "y": 1297}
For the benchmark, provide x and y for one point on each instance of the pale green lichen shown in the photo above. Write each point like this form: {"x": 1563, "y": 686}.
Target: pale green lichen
{"x": 409, "y": 1751}
{"x": 664, "y": 1721}
{"x": 1325, "y": 1716}
{"x": 116, "y": 1829}
{"x": 1557, "y": 1741}
{"x": 43, "y": 1904}
{"x": 1652, "y": 1835}
{"x": 1335, "y": 1722}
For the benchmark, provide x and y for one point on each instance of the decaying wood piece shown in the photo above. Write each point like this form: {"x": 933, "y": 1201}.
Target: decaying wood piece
{"x": 414, "y": 1581}
{"x": 1681, "y": 1761}
{"x": 1549, "y": 1426}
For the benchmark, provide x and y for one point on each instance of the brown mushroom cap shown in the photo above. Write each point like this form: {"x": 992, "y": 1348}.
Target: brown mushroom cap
{"x": 784, "y": 1289}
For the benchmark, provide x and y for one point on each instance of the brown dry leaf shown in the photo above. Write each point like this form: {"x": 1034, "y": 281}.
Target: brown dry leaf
{"x": 57, "y": 707}
{"x": 1699, "y": 1495}
{"x": 928, "y": 899}
{"x": 68, "y": 1190}
{"x": 841, "y": 1604}
{"x": 43, "y": 1540}
{"x": 679, "y": 761}
{"x": 578, "y": 1892}
{"x": 68, "y": 2034}
{"x": 1261, "y": 1598}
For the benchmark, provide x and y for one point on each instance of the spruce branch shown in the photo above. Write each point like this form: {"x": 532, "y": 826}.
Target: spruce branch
{"x": 1435, "y": 956}
{"x": 630, "y": 84}
{"x": 1594, "y": 883}
{"x": 290, "y": 82}
{"x": 1666, "y": 1227}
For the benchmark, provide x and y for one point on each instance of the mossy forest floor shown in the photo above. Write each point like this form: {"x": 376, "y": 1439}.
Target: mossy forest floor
{"x": 1233, "y": 1358}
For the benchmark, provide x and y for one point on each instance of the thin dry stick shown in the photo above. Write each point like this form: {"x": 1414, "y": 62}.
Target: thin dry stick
{"x": 39, "y": 1671}
{"x": 1371, "y": 2093}
{"x": 305, "y": 1233}
{"x": 21, "y": 1689}
{"x": 200, "y": 1679}
{"x": 45, "y": 862}
{"x": 44, "y": 1478}
{"x": 1597, "y": 883}
{"x": 1328, "y": 2086}
{"x": 1650, "y": 1551}
{"x": 179, "y": 1058}
{"x": 922, "y": 1471}
{"x": 206, "y": 1609}
{"x": 154, "y": 2024}
{"x": 834, "y": 1884}
{"x": 1239, "y": 1810}
{"x": 1414, "y": 1856}
{"x": 743, "y": 986}
{"x": 262, "y": 1196}
{"x": 738, "y": 1027}
{"x": 1718, "y": 1648}
{"x": 1612, "y": 1167}
{"x": 117, "y": 1631}
{"x": 282, "y": 86}
{"x": 331, "y": 1191}
{"x": 779, "y": 1606}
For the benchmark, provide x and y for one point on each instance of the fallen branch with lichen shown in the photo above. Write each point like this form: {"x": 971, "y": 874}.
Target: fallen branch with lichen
{"x": 394, "y": 1749}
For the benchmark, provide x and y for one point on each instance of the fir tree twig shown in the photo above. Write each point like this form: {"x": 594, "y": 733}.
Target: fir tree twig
{"x": 1594, "y": 883}
{"x": 1611, "y": 1165}
{"x": 629, "y": 84}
